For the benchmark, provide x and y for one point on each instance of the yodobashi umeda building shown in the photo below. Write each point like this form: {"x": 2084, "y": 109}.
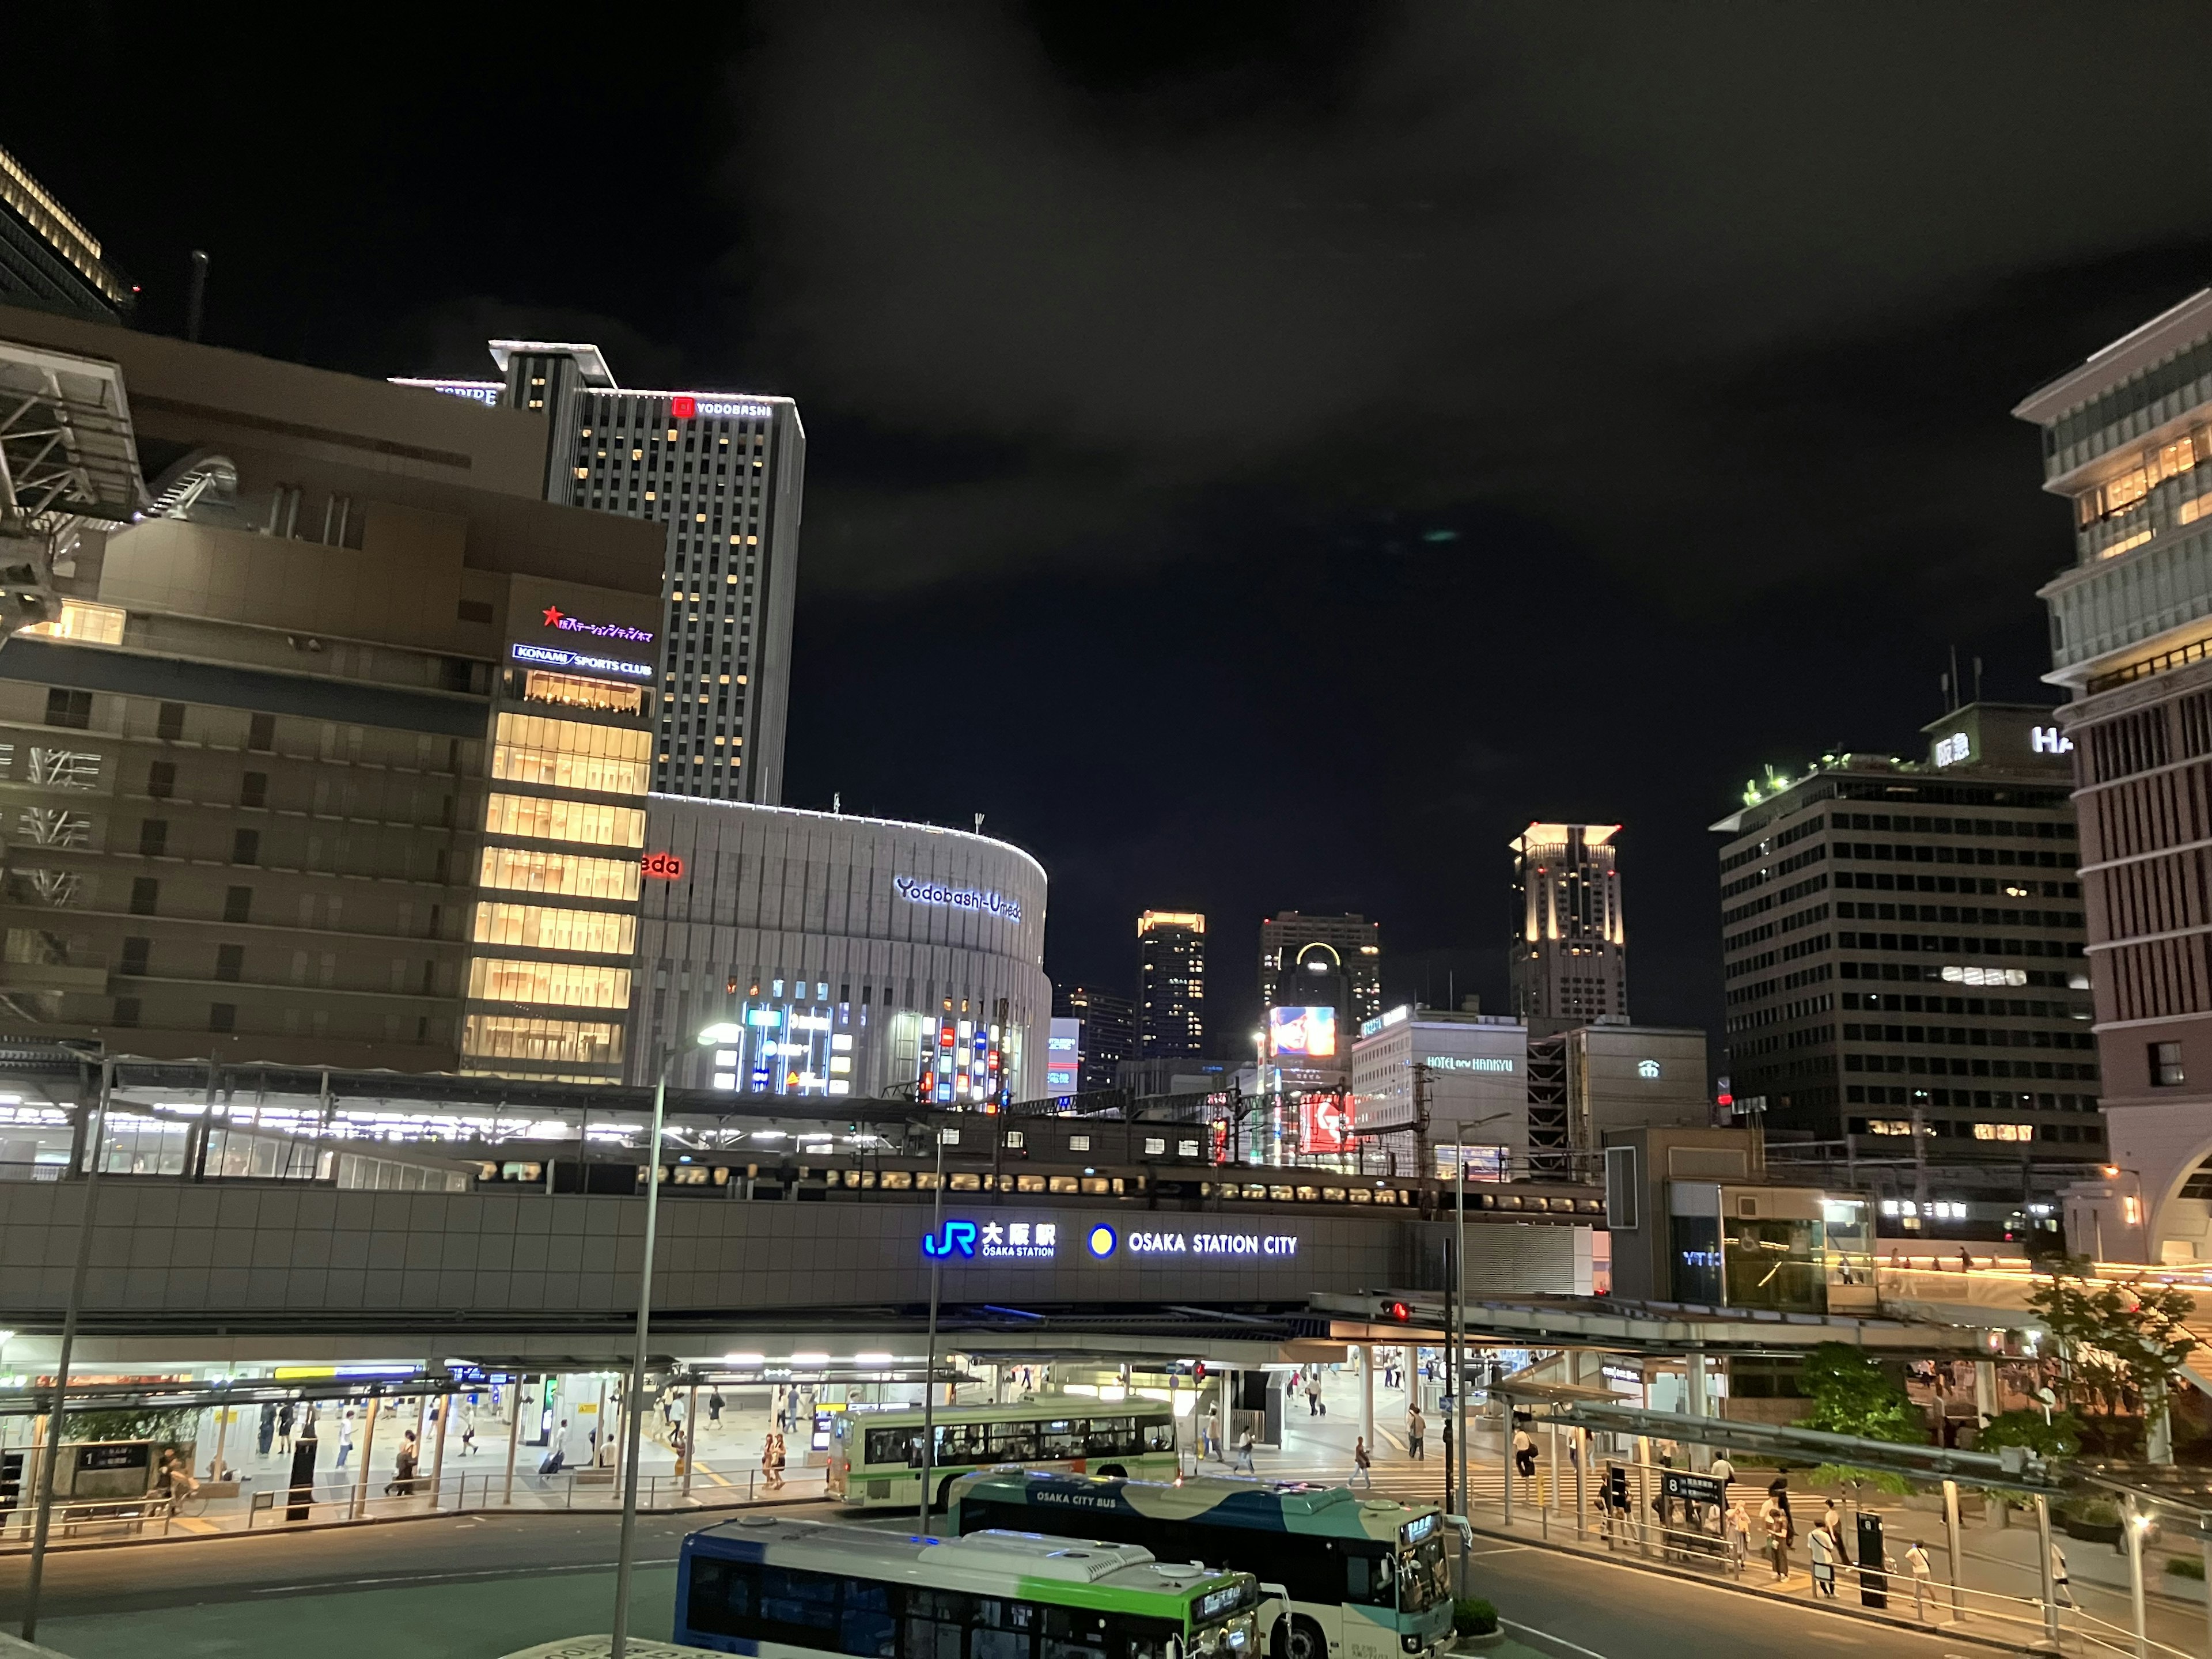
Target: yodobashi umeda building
{"x": 855, "y": 954}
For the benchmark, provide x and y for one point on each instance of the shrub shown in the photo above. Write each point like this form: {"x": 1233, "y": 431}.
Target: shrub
{"x": 2060, "y": 1437}
{"x": 2186, "y": 1566}
{"x": 1473, "y": 1616}
{"x": 2093, "y": 1511}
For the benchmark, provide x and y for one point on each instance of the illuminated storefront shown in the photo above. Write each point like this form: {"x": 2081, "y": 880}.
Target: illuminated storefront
{"x": 856, "y": 956}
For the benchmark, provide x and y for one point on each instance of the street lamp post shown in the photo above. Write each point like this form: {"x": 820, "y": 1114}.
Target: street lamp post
{"x": 95, "y": 1146}
{"x": 626, "y": 1553}
{"x": 929, "y": 1366}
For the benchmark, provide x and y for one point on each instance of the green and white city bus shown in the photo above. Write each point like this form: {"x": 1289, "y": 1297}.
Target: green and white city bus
{"x": 772, "y": 1588}
{"x": 877, "y": 1458}
{"x": 1365, "y": 1577}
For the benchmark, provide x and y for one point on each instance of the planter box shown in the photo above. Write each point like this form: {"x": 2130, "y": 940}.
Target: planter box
{"x": 2089, "y": 1532}
{"x": 1478, "y": 1644}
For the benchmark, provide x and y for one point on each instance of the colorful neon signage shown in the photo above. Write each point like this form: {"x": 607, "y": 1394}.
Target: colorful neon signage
{"x": 957, "y": 898}
{"x": 664, "y": 866}
{"x": 556, "y": 618}
{"x": 550, "y": 657}
{"x": 993, "y": 1241}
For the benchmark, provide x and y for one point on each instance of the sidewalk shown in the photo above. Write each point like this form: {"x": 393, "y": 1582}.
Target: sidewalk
{"x": 728, "y": 1471}
{"x": 2000, "y": 1575}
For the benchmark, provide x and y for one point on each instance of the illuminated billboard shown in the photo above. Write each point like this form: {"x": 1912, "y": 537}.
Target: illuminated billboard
{"x": 1308, "y": 1031}
{"x": 1324, "y": 1122}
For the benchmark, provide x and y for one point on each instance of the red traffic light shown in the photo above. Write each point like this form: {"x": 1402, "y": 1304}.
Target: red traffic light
{"x": 1198, "y": 1370}
{"x": 1399, "y": 1310}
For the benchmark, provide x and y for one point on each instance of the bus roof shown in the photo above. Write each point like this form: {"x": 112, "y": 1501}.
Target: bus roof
{"x": 1261, "y": 1506}
{"x": 1042, "y": 1407}
{"x": 982, "y": 1561}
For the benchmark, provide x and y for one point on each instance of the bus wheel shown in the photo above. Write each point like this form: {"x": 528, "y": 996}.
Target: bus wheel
{"x": 944, "y": 1501}
{"x": 1299, "y": 1638}
{"x": 1115, "y": 1469}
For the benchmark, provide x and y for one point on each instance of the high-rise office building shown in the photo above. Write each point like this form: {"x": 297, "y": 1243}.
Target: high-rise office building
{"x": 1335, "y": 957}
{"x": 724, "y": 472}
{"x": 1170, "y": 983}
{"x": 304, "y": 770}
{"x": 1902, "y": 946}
{"x": 50, "y": 261}
{"x": 1108, "y": 1034}
{"x": 1569, "y": 958}
{"x": 2127, "y": 438}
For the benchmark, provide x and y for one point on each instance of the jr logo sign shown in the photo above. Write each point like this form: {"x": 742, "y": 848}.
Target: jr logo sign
{"x": 957, "y": 1238}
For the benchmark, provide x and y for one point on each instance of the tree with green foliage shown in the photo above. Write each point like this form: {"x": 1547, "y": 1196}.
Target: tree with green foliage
{"x": 2119, "y": 1345}
{"x": 1853, "y": 1395}
{"x": 165, "y": 1428}
{"x": 2060, "y": 1437}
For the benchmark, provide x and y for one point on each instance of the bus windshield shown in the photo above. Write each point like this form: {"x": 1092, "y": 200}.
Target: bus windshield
{"x": 1222, "y": 1621}
{"x": 1422, "y": 1580}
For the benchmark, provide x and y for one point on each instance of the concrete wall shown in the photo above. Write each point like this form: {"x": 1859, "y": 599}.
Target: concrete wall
{"x": 198, "y": 1257}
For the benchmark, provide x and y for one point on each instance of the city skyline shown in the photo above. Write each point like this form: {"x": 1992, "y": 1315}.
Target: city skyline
{"x": 952, "y": 528}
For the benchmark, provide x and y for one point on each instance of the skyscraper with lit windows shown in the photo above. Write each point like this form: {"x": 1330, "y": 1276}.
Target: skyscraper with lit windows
{"x": 1568, "y": 957}
{"x": 1170, "y": 983}
{"x": 724, "y": 472}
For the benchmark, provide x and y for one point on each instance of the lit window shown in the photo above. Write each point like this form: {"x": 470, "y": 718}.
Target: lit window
{"x": 570, "y": 755}
{"x": 94, "y": 624}
{"x": 506, "y": 1036}
{"x": 566, "y": 984}
{"x": 536, "y": 928}
{"x": 526, "y": 870}
{"x": 534, "y": 818}
{"x": 2004, "y": 1131}
{"x": 574, "y": 691}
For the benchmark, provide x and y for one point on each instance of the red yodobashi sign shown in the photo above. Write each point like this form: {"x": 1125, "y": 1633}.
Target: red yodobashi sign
{"x": 664, "y": 866}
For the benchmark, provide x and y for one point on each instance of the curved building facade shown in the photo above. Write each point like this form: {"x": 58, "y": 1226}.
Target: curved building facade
{"x": 849, "y": 950}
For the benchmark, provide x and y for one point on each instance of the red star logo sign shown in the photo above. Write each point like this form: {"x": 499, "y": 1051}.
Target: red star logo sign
{"x": 552, "y": 616}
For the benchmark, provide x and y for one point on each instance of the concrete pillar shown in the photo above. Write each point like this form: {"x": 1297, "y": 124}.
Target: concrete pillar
{"x": 514, "y": 1433}
{"x": 368, "y": 1450}
{"x": 1698, "y": 1401}
{"x": 1644, "y": 1486}
{"x": 438, "y": 1453}
{"x": 2050, "y": 1580}
{"x": 1985, "y": 1392}
{"x": 1956, "y": 1569}
{"x": 2133, "y": 1520}
{"x": 691, "y": 1435}
{"x": 1367, "y": 1394}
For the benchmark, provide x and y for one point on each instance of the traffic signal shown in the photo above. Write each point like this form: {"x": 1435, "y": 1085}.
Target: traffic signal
{"x": 1397, "y": 1310}
{"x": 1198, "y": 1370}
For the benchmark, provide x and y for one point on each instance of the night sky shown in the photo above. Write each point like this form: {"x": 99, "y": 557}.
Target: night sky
{"x": 1260, "y": 455}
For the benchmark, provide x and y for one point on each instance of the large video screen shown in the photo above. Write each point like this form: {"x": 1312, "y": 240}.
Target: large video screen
{"x": 1308, "y": 1031}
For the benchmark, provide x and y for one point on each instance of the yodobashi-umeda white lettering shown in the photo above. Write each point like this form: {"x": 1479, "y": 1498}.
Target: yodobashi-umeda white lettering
{"x": 1180, "y": 1244}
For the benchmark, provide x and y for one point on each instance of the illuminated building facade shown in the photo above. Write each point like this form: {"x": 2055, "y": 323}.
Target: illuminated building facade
{"x": 1322, "y": 961}
{"x": 1902, "y": 949}
{"x": 334, "y": 755}
{"x": 722, "y": 473}
{"x": 2127, "y": 438}
{"x": 859, "y": 956}
{"x": 1170, "y": 984}
{"x": 1569, "y": 958}
{"x": 47, "y": 260}
{"x": 1109, "y": 1031}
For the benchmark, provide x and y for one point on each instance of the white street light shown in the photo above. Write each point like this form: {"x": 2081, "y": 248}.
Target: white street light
{"x": 624, "y": 1556}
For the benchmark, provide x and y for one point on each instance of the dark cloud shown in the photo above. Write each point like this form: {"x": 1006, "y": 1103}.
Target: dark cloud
{"x": 1535, "y": 256}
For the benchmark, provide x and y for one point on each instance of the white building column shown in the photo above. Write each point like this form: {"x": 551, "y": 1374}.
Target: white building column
{"x": 1698, "y": 1401}
{"x": 1367, "y": 1396}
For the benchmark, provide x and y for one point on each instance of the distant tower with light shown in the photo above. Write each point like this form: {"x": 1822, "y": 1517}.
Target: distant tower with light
{"x": 1170, "y": 983}
{"x": 1569, "y": 964}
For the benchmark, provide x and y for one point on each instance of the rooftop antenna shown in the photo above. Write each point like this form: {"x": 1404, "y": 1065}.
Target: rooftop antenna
{"x": 1977, "y": 679}
{"x": 195, "y": 298}
{"x": 1955, "y": 680}
{"x": 979, "y": 823}
{"x": 837, "y": 804}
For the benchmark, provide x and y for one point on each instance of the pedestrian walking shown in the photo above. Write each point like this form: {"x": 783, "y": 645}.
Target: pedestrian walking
{"x": 287, "y": 1415}
{"x": 714, "y": 1409}
{"x": 1313, "y": 1396}
{"x": 1922, "y": 1571}
{"x": 778, "y": 1462}
{"x": 768, "y": 1477}
{"x": 1210, "y": 1435}
{"x": 345, "y": 1437}
{"x": 1416, "y": 1430}
{"x": 1723, "y": 1471}
{"x": 1363, "y": 1464}
{"x": 1524, "y": 1451}
{"x": 1244, "y": 1452}
{"x": 402, "y": 1483}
